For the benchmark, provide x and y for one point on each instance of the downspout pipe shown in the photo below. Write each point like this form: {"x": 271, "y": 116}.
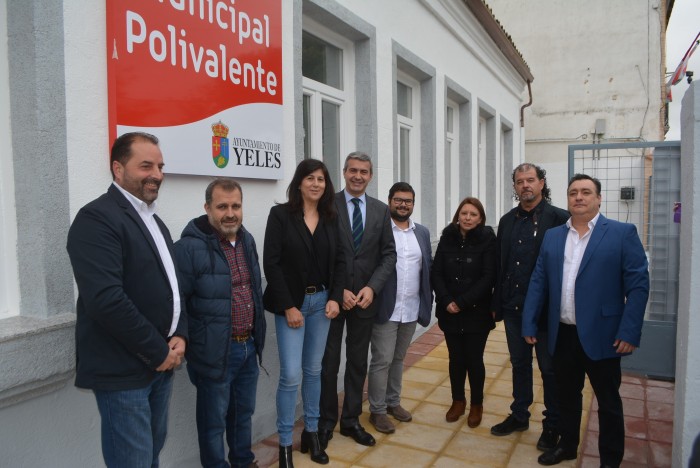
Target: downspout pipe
{"x": 529, "y": 103}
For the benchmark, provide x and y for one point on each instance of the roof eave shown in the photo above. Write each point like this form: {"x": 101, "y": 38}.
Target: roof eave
{"x": 502, "y": 40}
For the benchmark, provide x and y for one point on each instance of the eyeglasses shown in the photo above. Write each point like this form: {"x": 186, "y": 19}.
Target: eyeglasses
{"x": 402, "y": 201}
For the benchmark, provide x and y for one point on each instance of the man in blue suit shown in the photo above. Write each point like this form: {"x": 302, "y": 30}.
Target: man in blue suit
{"x": 593, "y": 274}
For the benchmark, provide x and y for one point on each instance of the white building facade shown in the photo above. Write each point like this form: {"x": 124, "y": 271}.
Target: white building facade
{"x": 431, "y": 89}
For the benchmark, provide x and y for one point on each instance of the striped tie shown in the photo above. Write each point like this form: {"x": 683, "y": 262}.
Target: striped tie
{"x": 357, "y": 228}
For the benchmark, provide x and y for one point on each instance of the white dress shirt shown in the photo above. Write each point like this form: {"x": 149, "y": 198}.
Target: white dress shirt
{"x": 408, "y": 268}
{"x": 146, "y": 213}
{"x": 573, "y": 253}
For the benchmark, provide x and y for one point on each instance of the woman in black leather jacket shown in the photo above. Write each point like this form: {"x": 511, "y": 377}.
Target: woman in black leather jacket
{"x": 463, "y": 276}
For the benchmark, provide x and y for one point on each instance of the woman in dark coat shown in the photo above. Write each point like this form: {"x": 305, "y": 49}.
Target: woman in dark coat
{"x": 304, "y": 267}
{"x": 463, "y": 276}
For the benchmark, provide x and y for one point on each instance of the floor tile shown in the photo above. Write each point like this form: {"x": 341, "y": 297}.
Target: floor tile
{"x": 636, "y": 427}
{"x": 440, "y": 395}
{"x": 410, "y": 359}
{"x": 497, "y": 404}
{"x": 344, "y": 449}
{"x": 636, "y": 450}
{"x": 430, "y": 339}
{"x": 496, "y": 359}
{"x": 632, "y": 379}
{"x": 440, "y": 351}
{"x": 434, "y": 415}
{"x": 390, "y": 456}
{"x": 660, "y": 394}
{"x": 661, "y": 431}
{"x": 629, "y": 390}
{"x": 660, "y": 411}
{"x": 486, "y": 450}
{"x": 633, "y": 407}
{"x": 420, "y": 348}
{"x": 266, "y": 455}
{"x": 590, "y": 444}
{"x": 434, "y": 363}
{"x": 449, "y": 462}
{"x": 589, "y": 462}
{"x": 532, "y": 435}
{"x": 420, "y": 436}
{"x": 660, "y": 454}
{"x": 416, "y": 374}
{"x": 415, "y": 390}
{"x": 501, "y": 388}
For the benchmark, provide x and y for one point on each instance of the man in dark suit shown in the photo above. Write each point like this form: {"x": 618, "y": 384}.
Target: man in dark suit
{"x": 406, "y": 300}
{"x": 365, "y": 231}
{"x": 130, "y": 330}
{"x": 520, "y": 234}
{"x": 593, "y": 275}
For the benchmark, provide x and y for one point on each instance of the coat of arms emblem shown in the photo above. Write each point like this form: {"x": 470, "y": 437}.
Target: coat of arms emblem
{"x": 219, "y": 144}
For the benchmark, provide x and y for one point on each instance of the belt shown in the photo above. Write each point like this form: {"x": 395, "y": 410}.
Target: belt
{"x": 241, "y": 338}
{"x": 314, "y": 289}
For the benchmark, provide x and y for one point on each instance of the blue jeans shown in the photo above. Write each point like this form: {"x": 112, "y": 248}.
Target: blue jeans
{"x": 301, "y": 352}
{"x": 227, "y": 405}
{"x": 521, "y": 361}
{"x": 134, "y": 423}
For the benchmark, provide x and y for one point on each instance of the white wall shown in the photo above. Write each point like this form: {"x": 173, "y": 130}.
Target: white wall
{"x": 591, "y": 60}
{"x": 687, "y": 406}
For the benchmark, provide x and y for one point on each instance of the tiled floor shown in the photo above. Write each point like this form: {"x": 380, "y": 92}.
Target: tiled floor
{"x": 430, "y": 441}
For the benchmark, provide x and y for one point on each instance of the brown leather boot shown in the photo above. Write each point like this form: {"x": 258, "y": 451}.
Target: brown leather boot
{"x": 456, "y": 410}
{"x": 474, "y": 418}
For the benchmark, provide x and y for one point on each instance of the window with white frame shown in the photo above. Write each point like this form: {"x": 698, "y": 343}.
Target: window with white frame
{"x": 451, "y": 166}
{"x": 408, "y": 120}
{"x": 328, "y": 116}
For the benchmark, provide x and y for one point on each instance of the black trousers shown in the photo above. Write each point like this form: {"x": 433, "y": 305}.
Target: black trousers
{"x": 571, "y": 365}
{"x": 359, "y": 332}
{"x": 466, "y": 352}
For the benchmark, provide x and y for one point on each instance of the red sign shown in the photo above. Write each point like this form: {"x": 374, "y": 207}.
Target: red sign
{"x": 181, "y": 69}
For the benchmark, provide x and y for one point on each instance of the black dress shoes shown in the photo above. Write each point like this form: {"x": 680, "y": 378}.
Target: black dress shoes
{"x": 323, "y": 437}
{"x": 358, "y": 434}
{"x": 556, "y": 456}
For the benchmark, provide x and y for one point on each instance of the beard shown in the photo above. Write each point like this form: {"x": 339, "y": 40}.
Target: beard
{"x": 527, "y": 196}
{"x": 227, "y": 231}
{"x": 138, "y": 188}
{"x": 396, "y": 216}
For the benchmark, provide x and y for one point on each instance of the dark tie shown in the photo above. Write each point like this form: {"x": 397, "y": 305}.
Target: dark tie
{"x": 357, "y": 228}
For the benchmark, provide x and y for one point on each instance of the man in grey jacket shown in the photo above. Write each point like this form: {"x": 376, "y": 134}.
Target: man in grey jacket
{"x": 406, "y": 300}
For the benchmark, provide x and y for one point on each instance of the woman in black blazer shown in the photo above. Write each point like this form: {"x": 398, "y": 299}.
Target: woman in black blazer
{"x": 463, "y": 275}
{"x": 304, "y": 269}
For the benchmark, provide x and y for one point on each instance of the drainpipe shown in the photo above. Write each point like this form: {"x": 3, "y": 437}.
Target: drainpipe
{"x": 522, "y": 109}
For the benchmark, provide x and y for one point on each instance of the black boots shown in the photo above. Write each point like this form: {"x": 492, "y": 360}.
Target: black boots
{"x": 286, "y": 457}
{"x": 310, "y": 442}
